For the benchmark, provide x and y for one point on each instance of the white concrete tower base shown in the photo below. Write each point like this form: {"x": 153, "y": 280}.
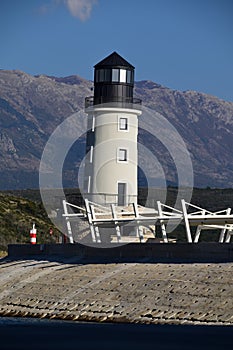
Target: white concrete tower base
{"x": 113, "y": 159}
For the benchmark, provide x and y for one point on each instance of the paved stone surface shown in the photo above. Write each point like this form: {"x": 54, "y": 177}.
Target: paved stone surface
{"x": 118, "y": 292}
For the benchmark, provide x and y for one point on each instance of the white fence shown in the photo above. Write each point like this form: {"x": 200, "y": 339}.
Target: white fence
{"x": 138, "y": 217}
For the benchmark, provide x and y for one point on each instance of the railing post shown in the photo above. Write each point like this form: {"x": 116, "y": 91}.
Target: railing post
{"x": 223, "y": 231}
{"x": 89, "y": 218}
{"x": 69, "y": 230}
{"x": 138, "y": 227}
{"x": 197, "y": 234}
{"x": 96, "y": 228}
{"x": 163, "y": 227}
{"x": 228, "y": 236}
{"x": 186, "y": 221}
{"x": 114, "y": 215}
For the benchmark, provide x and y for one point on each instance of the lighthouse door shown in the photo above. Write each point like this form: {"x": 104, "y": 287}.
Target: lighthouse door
{"x": 121, "y": 193}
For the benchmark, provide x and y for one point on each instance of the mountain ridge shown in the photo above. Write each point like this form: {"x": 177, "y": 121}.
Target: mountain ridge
{"x": 31, "y": 107}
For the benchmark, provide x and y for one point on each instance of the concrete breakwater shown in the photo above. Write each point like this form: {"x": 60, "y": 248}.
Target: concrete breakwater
{"x": 139, "y": 291}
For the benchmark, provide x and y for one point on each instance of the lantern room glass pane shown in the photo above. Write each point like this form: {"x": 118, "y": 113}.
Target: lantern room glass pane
{"x": 115, "y": 74}
{"x": 128, "y": 77}
{"x": 107, "y": 75}
{"x": 122, "y": 75}
{"x": 101, "y": 75}
{"x": 97, "y": 76}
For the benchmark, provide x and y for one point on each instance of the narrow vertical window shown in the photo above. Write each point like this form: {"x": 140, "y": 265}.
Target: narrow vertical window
{"x": 97, "y": 76}
{"x": 89, "y": 184}
{"x": 115, "y": 75}
{"x": 121, "y": 193}
{"x": 91, "y": 154}
{"x": 122, "y": 155}
{"x": 128, "y": 78}
{"x": 107, "y": 75}
{"x": 93, "y": 123}
{"x": 123, "y": 124}
{"x": 122, "y": 75}
{"x": 101, "y": 75}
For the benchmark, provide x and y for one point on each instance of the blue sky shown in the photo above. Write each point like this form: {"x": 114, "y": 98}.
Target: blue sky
{"x": 181, "y": 44}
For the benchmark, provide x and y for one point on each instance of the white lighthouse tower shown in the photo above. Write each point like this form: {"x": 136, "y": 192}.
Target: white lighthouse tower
{"x": 111, "y": 145}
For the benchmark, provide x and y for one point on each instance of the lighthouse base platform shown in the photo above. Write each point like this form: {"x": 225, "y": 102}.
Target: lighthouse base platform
{"x": 146, "y": 252}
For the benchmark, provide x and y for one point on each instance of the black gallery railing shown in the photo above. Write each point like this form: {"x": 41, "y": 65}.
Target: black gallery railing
{"x": 126, "y": 102}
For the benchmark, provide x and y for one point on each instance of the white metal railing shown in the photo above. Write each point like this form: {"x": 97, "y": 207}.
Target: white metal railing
{"x": 137, "y": 216}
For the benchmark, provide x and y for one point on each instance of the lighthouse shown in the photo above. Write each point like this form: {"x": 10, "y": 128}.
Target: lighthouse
{"x": 111, "y": 162}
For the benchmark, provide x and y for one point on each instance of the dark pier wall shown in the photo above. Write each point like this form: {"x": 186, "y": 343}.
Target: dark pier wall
{"x": 182, "y": 252}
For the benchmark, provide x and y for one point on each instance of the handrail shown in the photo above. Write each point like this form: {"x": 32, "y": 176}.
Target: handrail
{"x": 102, "y": 207}
{"x": 195, "y": 206}
{"x": 75, "y": 206}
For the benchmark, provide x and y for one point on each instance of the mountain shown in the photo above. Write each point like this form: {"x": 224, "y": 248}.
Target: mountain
{"x": 31, "y": 107}
{"x": 205, "y": 123}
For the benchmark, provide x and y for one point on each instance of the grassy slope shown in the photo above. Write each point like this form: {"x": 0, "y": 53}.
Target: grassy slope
{"x": 17, "y": 215}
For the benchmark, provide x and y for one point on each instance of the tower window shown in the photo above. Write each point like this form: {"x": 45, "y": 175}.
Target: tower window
{"x": 129, "y": 77}
{"x": 107, "y": 74}
{"x": 115, "y": 75}
{"x": 122, "y": 155}
{"x": 91, "y": 154}
{"x": 101, "y": 75}
{"x": 87, "y": 184}
{"x": 122, "y": 76}
{"x": 122, "y": 186}
{"x": 123, "y": 124}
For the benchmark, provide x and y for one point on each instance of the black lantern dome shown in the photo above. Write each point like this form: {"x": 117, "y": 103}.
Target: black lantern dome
{"x": 113, "y": 80}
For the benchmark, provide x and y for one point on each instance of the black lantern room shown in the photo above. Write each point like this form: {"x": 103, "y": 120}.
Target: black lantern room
{"x": 114, "y": 80}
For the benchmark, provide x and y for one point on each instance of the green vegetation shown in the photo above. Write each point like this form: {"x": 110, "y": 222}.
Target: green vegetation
{"x": 17, "y": 215}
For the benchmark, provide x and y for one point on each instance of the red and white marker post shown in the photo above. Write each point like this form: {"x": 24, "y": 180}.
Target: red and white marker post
{"x": 33, "y": 235}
